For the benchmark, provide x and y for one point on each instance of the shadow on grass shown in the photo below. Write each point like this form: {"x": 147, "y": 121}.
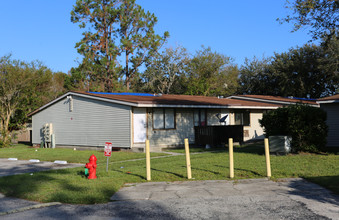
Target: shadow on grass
{"x": 23, "y": 184}
{"x": 129, "y": 173}
{"x": 194, "y": 168}
{"x": 175, "y": 174}
{"x": 27, "y": 186}
{"x": 82, "y": 174}
{"x": 28, "y": 144}
{"x": 315, "y": 192}
{"x": 250, "y": 149}
{"x": 250, "y": 171}
{"x": 330, "y": 182}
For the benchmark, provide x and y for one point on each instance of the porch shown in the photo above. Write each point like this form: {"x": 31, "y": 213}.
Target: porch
{"x": 218, "y": 135}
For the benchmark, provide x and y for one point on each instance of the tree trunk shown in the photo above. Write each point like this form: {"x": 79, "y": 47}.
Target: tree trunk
{"x": 4, "y": 131}
{"x": 127, "y": 73}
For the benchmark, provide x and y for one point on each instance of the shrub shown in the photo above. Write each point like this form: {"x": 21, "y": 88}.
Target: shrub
{"x": 305, "y": 124}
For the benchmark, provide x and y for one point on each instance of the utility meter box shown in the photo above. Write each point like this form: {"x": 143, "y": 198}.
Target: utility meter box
{"x": 48, "y": 131}
{"x": 280, "y": 144}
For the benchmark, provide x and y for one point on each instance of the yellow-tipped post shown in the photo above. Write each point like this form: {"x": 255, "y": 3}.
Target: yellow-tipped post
{"x": 148, "y": 161}
{"x": 267, "y": 154}
{"x": 230, "y": 148}
{"x": 188, "y": 160}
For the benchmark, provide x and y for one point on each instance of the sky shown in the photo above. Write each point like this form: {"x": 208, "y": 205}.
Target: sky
{"x": 42, "y": 29}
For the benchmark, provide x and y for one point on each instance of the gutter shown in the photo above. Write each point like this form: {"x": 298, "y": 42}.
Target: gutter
{"x": 328, "y": 101}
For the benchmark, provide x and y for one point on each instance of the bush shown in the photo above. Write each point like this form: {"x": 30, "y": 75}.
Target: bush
{"x": 305, "y": 124}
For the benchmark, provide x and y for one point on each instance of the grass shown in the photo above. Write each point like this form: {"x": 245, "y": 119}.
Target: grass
{"x": 192, "y": 150}
{"x": 24, "y": 152}
{"x": 70, "y": 185}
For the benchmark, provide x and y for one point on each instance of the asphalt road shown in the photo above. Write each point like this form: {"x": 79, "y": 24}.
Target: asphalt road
{"x": 247, "y": 199}
{"x": 13, "y": 167}
{"x": 244, "y": 199}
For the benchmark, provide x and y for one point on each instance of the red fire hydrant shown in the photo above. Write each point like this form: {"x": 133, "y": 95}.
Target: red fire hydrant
{"x": 92, "y": 167}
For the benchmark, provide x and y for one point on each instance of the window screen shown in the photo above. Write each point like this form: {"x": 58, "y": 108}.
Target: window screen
{"x": 199, "y": 117}
{"x": 163, "y": 118}
{"x": 242, "y": 118}
{"x": 196, "y": 117}
{"x": 169, "y": 118}
{"x": 158, "y": 119}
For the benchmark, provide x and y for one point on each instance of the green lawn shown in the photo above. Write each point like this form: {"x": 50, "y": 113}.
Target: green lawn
{"x": 193, "y": 150}
{"x": 70, "y": 185}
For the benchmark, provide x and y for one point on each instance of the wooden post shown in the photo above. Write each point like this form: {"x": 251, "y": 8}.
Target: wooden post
{"x": 107, "y": 165}
{"x": 230, "y": 148}
{"x": 148, "y": 161}
{"x": 267, "y": 154}
{"x": 188, "y": 160}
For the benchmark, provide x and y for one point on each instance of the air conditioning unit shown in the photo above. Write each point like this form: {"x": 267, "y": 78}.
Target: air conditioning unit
{"x": 47, "y": 131}
{"x": 280, "y": 144}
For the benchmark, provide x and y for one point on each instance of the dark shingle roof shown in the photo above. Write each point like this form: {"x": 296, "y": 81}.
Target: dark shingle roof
{"x": 176, "y": 101}
{"x": 276, "y": 99}
{"x": 179, "y": 100}
{"x": 334, "y": 97}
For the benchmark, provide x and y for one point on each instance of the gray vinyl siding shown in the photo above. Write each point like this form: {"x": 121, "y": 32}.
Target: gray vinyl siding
{"x": 91, "y": 123}
{"x": 332, "y": 121}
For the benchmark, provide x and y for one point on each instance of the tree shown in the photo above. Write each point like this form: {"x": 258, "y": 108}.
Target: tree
{"x": 116, "y": 27}
{"x": 330, "y": 59}
{"x": 255, "y": 77}
{"x": 308, "y": 71}
{"x": 58, "y": 84}
{"x": 98, "y": 47}
{"x": 305, "y": 124}
{"x": 137, "y": 37}
{"x": 76, "y": 80}
{"x": 23, "y": 87}
{"x": 322, "y": 16}
{"x": 211, "y": 74}
{"x": 165, "y": 71}
{"x": 304, "y": 72}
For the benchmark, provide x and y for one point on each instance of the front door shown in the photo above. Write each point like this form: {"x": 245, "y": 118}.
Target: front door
{"x": 139, "y": 125}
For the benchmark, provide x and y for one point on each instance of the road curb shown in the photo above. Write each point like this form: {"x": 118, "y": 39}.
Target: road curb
{"x": 37, "y": 206}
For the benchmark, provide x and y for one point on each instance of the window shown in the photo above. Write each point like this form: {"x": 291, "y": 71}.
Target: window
{"x": 163, "y": 118}
{"x": 242, "y": 118}
{"x": 199, "y": 117}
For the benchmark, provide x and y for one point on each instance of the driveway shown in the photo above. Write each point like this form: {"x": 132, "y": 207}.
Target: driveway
{"x": 244, "y": 199}
{"x": 13, "y": 167}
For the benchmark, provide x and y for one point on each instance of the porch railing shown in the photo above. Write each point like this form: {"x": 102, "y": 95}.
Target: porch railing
{"x": 217, "y": 135}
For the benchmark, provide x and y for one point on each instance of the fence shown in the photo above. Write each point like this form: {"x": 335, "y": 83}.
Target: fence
{"x": 217, "y": 135}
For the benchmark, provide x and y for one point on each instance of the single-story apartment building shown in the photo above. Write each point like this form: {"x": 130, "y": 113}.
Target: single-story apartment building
{"x": 128, "y": 119}
{"x": 331, "y": 106}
